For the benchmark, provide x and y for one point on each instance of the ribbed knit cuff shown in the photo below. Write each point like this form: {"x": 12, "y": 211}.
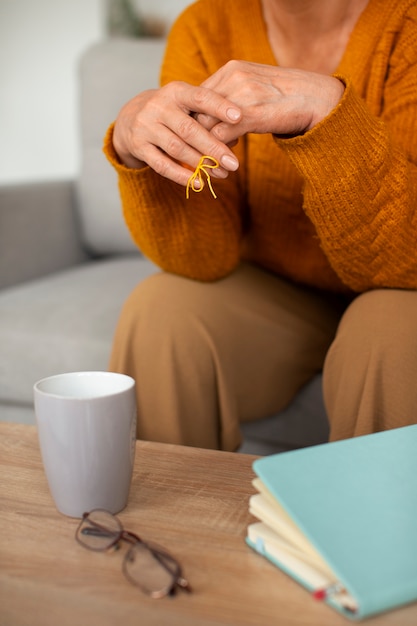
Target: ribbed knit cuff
{"x": 348, "y": 140}
{"x": 113, "y": 157}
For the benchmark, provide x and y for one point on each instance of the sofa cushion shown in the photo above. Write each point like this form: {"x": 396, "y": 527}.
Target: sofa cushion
{"x": 109, "y": 77}
{"x": 28, "y": 248}
{"x": 63, "y": 322}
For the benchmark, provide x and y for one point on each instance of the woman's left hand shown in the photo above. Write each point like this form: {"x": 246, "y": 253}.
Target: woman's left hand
{"x": 272, "y": 99}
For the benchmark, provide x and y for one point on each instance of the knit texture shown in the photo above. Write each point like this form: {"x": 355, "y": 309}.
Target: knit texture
{"x": 334, "y": 208}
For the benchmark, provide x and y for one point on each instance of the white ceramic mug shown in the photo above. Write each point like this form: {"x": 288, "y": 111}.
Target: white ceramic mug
{"x": 87, "y": 434}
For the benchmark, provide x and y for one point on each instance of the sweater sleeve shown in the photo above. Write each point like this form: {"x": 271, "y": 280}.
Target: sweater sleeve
{"x": 199, "y": 238}
{"x": 360, "y": 173}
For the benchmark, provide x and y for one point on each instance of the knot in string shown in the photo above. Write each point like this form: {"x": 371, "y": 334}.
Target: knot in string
{"x": 202, "y": 168}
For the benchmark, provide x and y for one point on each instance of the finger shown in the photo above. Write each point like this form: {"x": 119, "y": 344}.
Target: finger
{"x": 229, "y": 134}
{"x": 199, "y": 100}
{"x": 206, "y": 121}
{"x": 178, "y": 172}
{"x": 187, "y": 141}
{"x": 207, "y": 102}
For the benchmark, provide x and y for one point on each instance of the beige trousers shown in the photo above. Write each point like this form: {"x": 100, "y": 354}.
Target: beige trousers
{"x": 206, "y": 356}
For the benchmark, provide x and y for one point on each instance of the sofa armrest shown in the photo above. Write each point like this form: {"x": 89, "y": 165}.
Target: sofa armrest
{"x": 38, "y": 231}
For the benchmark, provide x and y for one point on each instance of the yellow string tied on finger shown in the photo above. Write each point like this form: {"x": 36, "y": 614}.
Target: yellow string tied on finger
{"x": 202, "y": 168}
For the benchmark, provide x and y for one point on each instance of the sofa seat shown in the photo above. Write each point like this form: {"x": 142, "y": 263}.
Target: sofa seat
{"x": 61, "y": 322}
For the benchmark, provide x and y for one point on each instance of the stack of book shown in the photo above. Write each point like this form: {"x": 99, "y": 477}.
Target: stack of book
{"x": 340, "y": 518}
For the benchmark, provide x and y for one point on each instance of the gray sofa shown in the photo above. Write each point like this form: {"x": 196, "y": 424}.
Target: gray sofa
{"x": 67, "y": 261}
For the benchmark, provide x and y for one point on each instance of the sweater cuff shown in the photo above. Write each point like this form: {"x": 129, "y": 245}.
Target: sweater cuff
{"x": 113, "y": 158}
{"x": 346, "y": 138}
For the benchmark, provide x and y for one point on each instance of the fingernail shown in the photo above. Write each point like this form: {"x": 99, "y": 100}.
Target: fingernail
{"x": 233, "y": 114}
{"x": 229, "y": 162}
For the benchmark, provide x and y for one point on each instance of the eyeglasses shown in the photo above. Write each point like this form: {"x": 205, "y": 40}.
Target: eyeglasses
{"x": 145, "y": 565}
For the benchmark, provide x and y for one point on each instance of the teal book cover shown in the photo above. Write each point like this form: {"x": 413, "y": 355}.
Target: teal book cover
{"x": 355, "y": 501}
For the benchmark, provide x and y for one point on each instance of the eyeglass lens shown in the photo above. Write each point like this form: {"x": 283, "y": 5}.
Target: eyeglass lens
{"x": 99, "y": 530}
{"x": 153, "y": 571}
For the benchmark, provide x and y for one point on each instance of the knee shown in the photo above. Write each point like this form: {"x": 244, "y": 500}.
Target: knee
{"x": 369, "y": 371}
{"x": 162, "y": 306}
{"x": 379, "y": 324}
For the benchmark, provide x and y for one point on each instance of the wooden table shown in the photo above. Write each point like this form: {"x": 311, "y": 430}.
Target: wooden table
{"x": 194, "y": 502}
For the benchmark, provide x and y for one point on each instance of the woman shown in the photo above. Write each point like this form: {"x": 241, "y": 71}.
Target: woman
{"x": 307, "y": 258}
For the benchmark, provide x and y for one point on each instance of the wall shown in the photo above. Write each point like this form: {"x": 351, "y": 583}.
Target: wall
{"x": 40, "y": 41}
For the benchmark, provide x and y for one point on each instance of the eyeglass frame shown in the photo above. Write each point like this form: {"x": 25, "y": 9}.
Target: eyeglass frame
{"x": 158, "y": 553}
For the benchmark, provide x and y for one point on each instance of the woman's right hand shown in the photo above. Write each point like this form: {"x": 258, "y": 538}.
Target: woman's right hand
{"x": 157, "y": 128}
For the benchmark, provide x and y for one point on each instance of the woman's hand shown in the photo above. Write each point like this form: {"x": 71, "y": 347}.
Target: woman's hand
{"x": 272, "y": 99}
{"x": 158, "y": 128}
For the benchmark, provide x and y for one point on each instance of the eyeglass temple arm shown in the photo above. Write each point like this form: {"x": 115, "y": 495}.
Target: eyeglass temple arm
{"x": 98, "y": 532}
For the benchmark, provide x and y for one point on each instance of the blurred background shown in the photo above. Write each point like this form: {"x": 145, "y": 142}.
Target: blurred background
{"x": 40, "y": 44}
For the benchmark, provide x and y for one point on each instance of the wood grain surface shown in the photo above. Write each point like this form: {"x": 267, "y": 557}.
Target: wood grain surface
{"x": 193, "y": 502}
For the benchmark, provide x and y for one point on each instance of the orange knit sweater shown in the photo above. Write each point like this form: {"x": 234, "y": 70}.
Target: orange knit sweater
{"x": 335, "y": 208}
